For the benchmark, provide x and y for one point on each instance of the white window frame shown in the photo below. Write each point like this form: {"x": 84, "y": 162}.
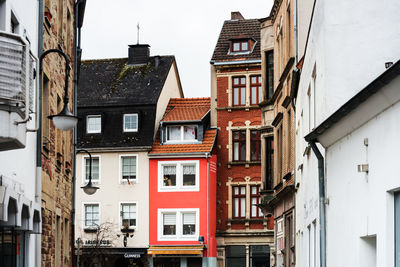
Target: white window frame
{"x": 179, "y": 176}
{"x": 121, "y": 180}
{"x": 137, "y": 213}
{"x": 84, "y": 180}
{"x": 181, "y": 140}
{"x": 84, "y": 213}
{"x": 179, "y": 225}
{"x": 137, "y": 122}
{"x": 87, "y": 124}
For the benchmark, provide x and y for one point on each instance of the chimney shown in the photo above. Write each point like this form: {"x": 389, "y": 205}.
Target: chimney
{"x": 138, "y": 54}
{"x": 235, "y": 15}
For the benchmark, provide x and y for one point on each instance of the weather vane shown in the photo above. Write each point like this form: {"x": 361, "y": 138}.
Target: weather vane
{"x": 138, "y": 28}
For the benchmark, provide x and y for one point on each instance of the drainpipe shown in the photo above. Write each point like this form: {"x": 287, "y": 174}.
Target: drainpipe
{"x": 38, "y": 176}
{"x": 295, "y": 32}
{"x": 321, "y": 183}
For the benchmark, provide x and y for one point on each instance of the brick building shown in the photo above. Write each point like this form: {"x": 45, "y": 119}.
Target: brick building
{"x": 243, "y": 235}
{"x": 58, "y": 30}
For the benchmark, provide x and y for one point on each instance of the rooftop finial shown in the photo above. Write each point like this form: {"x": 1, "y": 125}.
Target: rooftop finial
{"x": 138, "y": 28}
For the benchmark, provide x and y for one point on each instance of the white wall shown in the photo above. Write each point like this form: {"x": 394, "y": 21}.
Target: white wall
{"x": 112, "y": 193}
{"x": 20, "y": 165}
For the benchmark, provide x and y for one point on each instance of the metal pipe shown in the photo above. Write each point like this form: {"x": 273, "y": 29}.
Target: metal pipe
{"x": 322, "y": 222}
{"x": 208, "y": 236}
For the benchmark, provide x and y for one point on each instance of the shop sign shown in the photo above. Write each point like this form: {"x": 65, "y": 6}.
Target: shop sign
{"x": 100, "y": 243}
{"x": 129, "y": 255}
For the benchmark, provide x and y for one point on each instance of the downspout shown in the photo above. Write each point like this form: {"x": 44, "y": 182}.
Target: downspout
{"x": 321, "y": 183}
{"x": 38, "y": 176}
{"x": 295, "y": 32}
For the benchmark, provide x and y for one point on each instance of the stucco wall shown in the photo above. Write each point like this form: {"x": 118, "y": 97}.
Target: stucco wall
{"x": 112, "y": 193}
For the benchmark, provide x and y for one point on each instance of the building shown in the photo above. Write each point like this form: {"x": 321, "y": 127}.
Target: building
{"x": 281, "y": 100}
{"x": 334, "y": 69}
{"x": 20, "y": 203}
{"x": 182, "y": 183}
{"x": 243, "y": 235}
{"x": 59, "y": 28}
{"x": 121, "y": 102}
{"x": 364, "y": 127}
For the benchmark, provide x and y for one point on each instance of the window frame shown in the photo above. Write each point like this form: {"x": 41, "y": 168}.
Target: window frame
{"x": 258, "y": 85}
{"x": 87, "y": 124}
{"x": 179, "y": 176}
{"x": 120, "y": 213}
{"x": 182, "y": 140}
{"x": 240, "y": 141}
{"x": 239, "y": 86}
{"x": 84, "y": 204}
{"x": 239, "y": 196}
{"x": 179, "y": 224}
{"x": 257, "y": 142}
{"x": 240, "y": 42}
{"x": 84, "y": 180}
{"x": 124, "y": 129}
{"x": 269, "y": 74}
{"x": 121, "y": 179}
{"x": 259, "y": 213}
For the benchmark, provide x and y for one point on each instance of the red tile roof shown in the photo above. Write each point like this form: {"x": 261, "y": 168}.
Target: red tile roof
{"x": 186, "y": 109}
{"x": 205, "y": 146}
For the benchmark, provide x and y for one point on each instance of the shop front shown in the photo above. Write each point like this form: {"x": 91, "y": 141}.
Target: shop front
{"x": 176, "y": 256}
{"x": 113, "y": 257}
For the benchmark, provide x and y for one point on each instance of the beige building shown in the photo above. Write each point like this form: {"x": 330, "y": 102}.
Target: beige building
{"x": 120, "y": 113}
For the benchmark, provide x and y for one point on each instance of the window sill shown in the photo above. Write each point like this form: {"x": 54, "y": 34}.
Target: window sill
{"x": 251, "y": 220}
{"x": 257, "y": 162}
{"x": 90, "y": 230}
{"x": 230, "y": 108}
{"x": 180, "y": 142}
{"x": 178, "y": 189}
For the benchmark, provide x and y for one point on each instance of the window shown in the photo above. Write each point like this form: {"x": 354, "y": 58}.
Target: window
{"x": 182, "y": 133}
{"x": 128, "y": 168}
{"x": 235, "y": 256}
{"x": 269, "y": 170}
{"x": 269, "y": 80}
{"x": 280, "y": 154}
{"x": 91, "y": 215}
{"x": 255, "y": 200}
{"x": 95, "y": 169}
{"x": 128, "y": 215}
{"x": 239, "y": 91}
{"x": 255, "y": 89}
{"x": 255, "y": 145}
{"x": 130, "y": 122}
{"x": 93, "y": 124}
{"x": 178, "y": 224}
{"x": 182, "y": 175}
{"x": 240, "y": 46}
{"x": 259, "y": 256}
{"x": 239, "y": 145}
{"x": 239, "y": 201}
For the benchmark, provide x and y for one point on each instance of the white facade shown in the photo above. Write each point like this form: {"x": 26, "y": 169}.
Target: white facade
{"x": 348, "y": 45}
{"x": 20, "y": 191}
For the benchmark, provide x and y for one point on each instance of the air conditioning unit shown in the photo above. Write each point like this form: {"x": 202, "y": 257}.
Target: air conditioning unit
{"x": 16, "y": 87}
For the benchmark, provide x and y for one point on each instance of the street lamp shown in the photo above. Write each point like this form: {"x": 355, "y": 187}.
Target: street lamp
{"x": 89, "y": 188}
{"x": 64, "y": 120}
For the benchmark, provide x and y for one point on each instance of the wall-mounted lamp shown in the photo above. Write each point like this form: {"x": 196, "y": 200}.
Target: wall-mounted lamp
{"x": 201, "y": 239}
{"x": 64, "y": 120}
{"x": 89, "y": 188}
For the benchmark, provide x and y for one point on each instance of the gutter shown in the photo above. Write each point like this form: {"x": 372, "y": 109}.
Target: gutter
{"x": 220, "y": 63}
{"x": 322, "y": 216}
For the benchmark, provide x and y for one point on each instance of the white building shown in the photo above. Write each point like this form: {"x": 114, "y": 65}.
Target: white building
{"x": 20, "y": 191}
{"x": 347, "y": 46}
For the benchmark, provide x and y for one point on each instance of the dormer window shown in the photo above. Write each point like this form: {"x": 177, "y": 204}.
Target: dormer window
{"x": 240, "y": 46}
{"x": 130, "y": 122}
{"x": 182, "y": 133}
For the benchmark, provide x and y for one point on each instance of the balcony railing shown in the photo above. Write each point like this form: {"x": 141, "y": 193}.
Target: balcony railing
{"x": 14, "y": 70}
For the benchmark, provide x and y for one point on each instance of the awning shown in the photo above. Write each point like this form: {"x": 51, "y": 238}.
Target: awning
{"x": 175, "y": 250}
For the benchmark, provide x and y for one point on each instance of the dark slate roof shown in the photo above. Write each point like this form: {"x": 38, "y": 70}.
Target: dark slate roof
{"x": 108, "y": 82}
{"x": 248, "y": 28}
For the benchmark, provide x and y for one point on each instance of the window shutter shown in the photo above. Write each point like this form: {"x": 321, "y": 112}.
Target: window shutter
{"x": 169, "y": 219}
{"x": 189, "y": 218}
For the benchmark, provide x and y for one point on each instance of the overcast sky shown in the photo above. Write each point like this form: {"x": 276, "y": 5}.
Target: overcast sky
{"x": 185, "y": 28}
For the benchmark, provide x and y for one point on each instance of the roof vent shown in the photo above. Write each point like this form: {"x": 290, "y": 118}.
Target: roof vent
{"x": 236, "y": 15}
{"x": 138, "y": 54}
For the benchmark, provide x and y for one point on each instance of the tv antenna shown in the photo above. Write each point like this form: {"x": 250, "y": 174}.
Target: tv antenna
{"x": 138, "y": 28}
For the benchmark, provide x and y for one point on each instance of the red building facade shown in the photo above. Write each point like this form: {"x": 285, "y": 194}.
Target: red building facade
{"x": 244, "y": 236}
{"x": 182, "y": 187}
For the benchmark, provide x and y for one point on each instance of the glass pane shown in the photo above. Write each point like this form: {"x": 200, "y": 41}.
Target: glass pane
{"x": 253, "y": 207}
{"x": 254, "y": 79}
{"x": 174, "y": 133}
{"x": 253, "y": 190}
{"x": 236, "y": 207}
{"x": 189, "y": 229}
{"x": 235, "y": 251}
{"x": 130, "y": 122}
{"x": 259, "y": 93}
{"x": 242, "y": 95}
{"x": 169, "y": 175}
{"x": 190, "y": 132}
{"x": 236, "y": 46}
{"x": 236, "y": 151}
{"x": 243, "y": 80}
{"x": 243, "y": 151}
{"x": 242, "y": 207}
{"x": 242, "y": 190}
{"x": 245, "y": 46}
{"x": 254, "y": 95}
{"x": 236, "y": 190}
{"x": 235, "y": 81}
{"x": 189, "y": 179}
{"x": 236, "y": 96}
